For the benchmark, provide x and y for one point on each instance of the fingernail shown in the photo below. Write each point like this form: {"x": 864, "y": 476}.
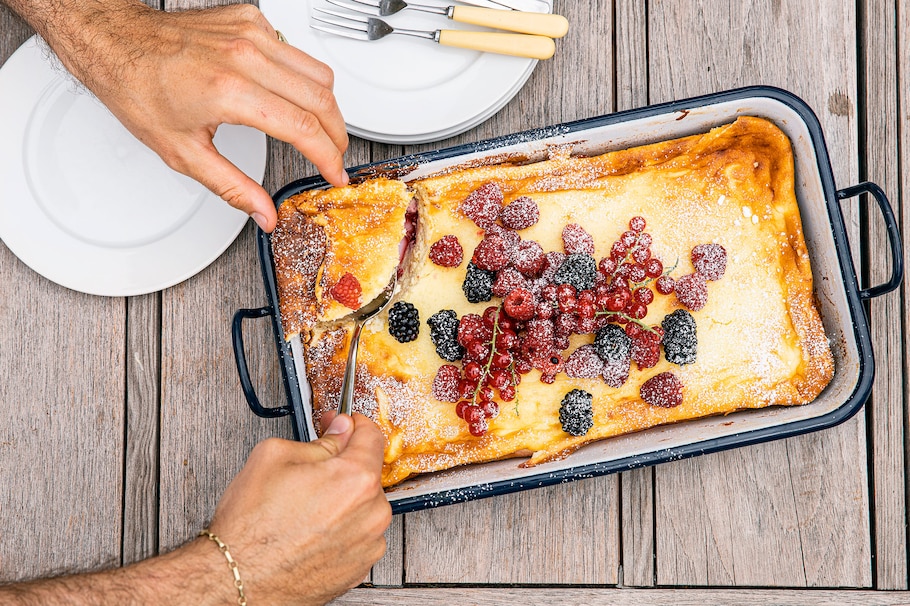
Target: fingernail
{"x": 340, "y": 424}
{"x": 260, "y": 220}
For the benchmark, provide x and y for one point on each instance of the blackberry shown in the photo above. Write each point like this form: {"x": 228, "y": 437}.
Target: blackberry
{"x": 404, "y": 322}
{"x": 579, "y": 270}
{"x": 576, "y": 412}
{"x": 478, "y": 284}
{"x": 680, "y": 339}
{"x": 613, "y": 344}
{"x": 444, "y": 335}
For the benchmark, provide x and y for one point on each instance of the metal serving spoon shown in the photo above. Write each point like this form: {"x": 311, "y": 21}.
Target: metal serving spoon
{"x": 359, "y": 318}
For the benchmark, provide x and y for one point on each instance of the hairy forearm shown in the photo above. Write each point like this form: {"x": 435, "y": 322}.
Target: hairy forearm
{"x": 196, "y": 573}
{"x": 84, "y": 34}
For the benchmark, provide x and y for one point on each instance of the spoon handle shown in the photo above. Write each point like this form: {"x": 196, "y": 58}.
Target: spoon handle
{"x": 350, "y": 372}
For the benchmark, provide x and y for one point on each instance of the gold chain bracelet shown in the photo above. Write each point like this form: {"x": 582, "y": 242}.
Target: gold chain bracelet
{"x": 205, "y": 532}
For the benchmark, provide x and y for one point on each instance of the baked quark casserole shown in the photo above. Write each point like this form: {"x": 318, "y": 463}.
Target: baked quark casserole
{"x": 547, "y": 305}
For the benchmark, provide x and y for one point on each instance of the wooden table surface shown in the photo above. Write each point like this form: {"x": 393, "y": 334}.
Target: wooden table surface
{"x": 122, "y": 419}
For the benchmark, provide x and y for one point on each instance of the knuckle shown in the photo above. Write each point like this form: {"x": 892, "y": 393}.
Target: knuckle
{"x": 247, "y": 12}
{"x": 270, "y": 449}
{"x": 306, "y": 124}
{"x": 324, "y": 99}
{"x": 242, "y": 48}
{"x": 329, "y": 446}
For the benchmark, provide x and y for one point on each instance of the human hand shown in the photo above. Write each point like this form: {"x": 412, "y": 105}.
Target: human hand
{"x": 305, "y": 522}
{"x": 173, "y": 78}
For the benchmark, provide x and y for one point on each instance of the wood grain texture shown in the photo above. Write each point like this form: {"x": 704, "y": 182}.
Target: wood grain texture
{"x": 903, "y": 121}
{"x": 803, "y": 500}
{"x": 140, "y": 481}
{"x": 631, "y": 59}
{"x": 618, "y": 597}
{"x": 61, "y": 414}
{"x": 885, "y": 409}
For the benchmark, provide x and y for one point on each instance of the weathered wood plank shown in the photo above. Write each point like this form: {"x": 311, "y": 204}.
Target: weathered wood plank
{"x": 885, "y": 409}
{"x": 799, "y": 507}
{"x": 542, "y": 596}
{"x": 499, "y": 540}
{"x": 631, "y": 43}
{"x": 140, "y": 483}
{"x": 903, "y": 120}
{"x": 61, "y": 414}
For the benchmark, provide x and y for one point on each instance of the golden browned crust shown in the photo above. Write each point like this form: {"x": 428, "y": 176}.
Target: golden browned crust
{"x": 323, "y": 234}
{"x": 761, "y": 341}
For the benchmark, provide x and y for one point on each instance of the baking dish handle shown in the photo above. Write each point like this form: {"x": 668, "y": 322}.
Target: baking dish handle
{"x": 894, "y": 237}
{"x": 245, "y": 383}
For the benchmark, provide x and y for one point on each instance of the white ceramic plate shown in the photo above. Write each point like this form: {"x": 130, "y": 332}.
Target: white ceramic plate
{"x": 406, "y": 90}
{"x": 85, "y": 204}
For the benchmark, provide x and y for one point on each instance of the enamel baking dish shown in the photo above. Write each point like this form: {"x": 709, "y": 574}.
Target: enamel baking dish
{"x": 838, "y": 294}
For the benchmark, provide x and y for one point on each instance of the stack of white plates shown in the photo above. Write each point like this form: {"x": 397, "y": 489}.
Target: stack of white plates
{"x": 407, "y": 90}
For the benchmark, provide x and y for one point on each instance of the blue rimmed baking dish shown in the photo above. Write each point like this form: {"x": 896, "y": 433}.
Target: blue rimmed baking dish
{"x": 837, "y": 292}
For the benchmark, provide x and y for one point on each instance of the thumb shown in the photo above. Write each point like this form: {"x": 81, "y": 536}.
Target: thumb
{"x": 336, "y": 436}
{"x": 218, "y": 174}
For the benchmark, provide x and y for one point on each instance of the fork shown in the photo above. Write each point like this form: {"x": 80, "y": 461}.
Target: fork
{"x": 371, "y": 28}
{"x": 544, "y": 24}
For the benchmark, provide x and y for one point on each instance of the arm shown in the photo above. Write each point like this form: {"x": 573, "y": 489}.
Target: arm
{"x": 303, "y": 521}
{"x": 173, "y": 78}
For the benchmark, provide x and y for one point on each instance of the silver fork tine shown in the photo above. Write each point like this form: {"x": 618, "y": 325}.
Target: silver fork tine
{"x": 354, "y": 5}
{"x": 355, "y": 34}
{"x": 342, "y": 16}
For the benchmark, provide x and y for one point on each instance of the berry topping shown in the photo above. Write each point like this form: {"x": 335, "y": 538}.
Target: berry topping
{"x": 347, "y": 291}
{"x": 445, "y": 384}
{"x": 578, "y": 270}
{"x": 471, "y": 329}
{"x": 665, "y": 285}
{"x": 552, "y": 261}
{"x": 584, "y": 363}
{"x": 576, "y": 412}
{"x": 680, "y": 340}
{"x": 404, "y": 322}
{"x": 637, "y": 224}
{"x": 478, "y": 284}
{"x": 444, "y": 335}
{"x": 664, "y": 390}
{"x": 483, "y": 206}
{"x": 520, "y": 304}
{"x": 507, "y": 280}
{"x": 491, "y": 254}
{"x": 528, "y": 258}
{"x": 576, "y": 240}
{"x": 612, "y": 344}
{"x": 447, "y": 252}
{"x": 521, "y": 213}
{"x": 710, "y": 260}
{"x": 692, "y": 291}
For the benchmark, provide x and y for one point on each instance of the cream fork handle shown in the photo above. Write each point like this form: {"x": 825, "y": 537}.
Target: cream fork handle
{"x": 518, "y": 45}
{"x": 542, "y": 24}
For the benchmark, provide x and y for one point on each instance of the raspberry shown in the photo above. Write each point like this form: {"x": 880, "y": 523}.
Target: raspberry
{"x": 644, "y": 352}
{"x": 491, "y": 253}
{"x": 521, "y": 213}
{"x": 444, "y": 335}
{"x": 663, "y": 390}
{"x": 347, "y": 291}
{"x": 520, "y": 304}
{"x": 578, "y": 270}
{"x": 507, "y": 280}
{"x": 472, "y": 330}
{"x": 404, "y": 322}
{"x": 584, "y": 363}
{"x": 710, "y": 260}
{"x": 511, "y": 238}
{"x": 478, "y": 284}
{"x": 445, "y": 384}
{"x": 680, "y": 339}
{"x": 483, "y": 206}
{"x": 576, "y": 412}
{"x": 552, "y": 261}
{"x": 692, "y": 291}
{"x": 528, "y": 258}
{"x": 447, "y": 252}
{"x": 576, "y": 240}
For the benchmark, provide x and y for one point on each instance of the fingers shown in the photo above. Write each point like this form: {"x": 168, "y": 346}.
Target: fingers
{"x": 366, "y": 445}
{"x": 218, "y": 174}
